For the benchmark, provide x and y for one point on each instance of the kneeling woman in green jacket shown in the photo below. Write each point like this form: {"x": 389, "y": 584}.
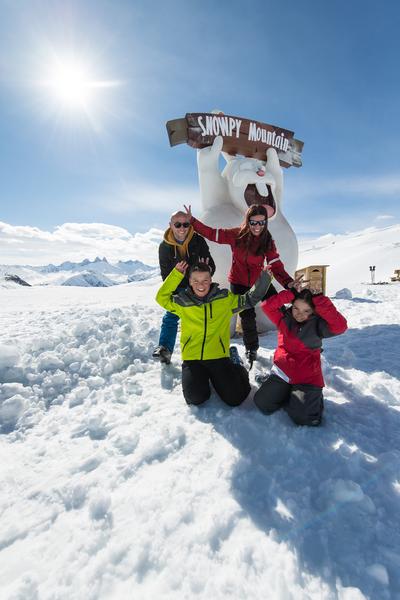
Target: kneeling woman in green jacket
{"x": 205, "y": 311}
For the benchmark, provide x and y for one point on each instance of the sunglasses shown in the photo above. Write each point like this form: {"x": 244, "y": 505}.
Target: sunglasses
{"x": 178, "y": 225}
{"x": 260, "y": 223}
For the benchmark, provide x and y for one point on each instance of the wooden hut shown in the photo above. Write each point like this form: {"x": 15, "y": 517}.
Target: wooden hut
{"x": 396, "y": 275}
{"x": 316, "y": 274}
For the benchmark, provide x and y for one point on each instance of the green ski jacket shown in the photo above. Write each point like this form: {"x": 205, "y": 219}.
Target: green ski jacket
{"x": 205, "y": 322}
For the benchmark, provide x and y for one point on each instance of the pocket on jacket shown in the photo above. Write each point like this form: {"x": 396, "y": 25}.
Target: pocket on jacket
{"x": 186, "y": 343}
{"x": 222, "y": 344}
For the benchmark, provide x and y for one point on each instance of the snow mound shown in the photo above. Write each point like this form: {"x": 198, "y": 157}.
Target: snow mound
{"x": 9, "y": 356}
{"x": 344, "y": 294}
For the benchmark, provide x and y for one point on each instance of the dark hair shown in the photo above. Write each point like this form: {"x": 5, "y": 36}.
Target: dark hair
{"x": 306, "y": 296}
{"x": 202, "y": 267}
{"x": 246, "y": 238}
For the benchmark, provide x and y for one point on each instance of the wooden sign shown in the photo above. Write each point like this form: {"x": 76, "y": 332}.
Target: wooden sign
{"x": 241, "y": 136}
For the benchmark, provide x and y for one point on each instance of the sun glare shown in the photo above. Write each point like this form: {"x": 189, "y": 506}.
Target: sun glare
{"x": 71, "y": 85}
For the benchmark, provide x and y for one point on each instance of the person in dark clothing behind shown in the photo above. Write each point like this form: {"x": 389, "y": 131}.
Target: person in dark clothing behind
{"x": 205, "y": 311}
{"x": 295, "y": 382}
{"x": 180, "y": 243}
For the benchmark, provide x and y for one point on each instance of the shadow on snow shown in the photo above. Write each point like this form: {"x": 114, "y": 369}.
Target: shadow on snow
{"x": 328, "y": 492}
{"x": 371, "y": 349}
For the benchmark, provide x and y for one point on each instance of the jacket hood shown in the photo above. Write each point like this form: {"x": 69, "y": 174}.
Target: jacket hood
{"x": 181, "y": 249}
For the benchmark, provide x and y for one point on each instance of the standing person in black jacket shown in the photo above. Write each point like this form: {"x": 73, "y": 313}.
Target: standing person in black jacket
{"x": 180, "y": 243}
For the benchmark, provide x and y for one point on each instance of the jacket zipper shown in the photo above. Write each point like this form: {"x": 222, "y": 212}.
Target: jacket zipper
{"x": 205, "y": 331}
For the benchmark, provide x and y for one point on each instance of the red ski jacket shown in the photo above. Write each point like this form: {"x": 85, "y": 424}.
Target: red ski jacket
{"x": 298, "y": 353}
{"x": 246, "y": 265}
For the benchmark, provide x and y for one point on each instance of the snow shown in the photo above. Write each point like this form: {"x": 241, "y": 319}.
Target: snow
{"x": 8, "y": 356}
{"x": 345, "y": 294}
{"x": 89, "y": 279}
{"x": 350, "y": 255}
{"x": 113, "y": 488}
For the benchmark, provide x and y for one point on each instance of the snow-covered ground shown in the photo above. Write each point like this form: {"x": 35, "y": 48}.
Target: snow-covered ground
{"x": 350, "y": 255}
{"x": 113, "y": 488}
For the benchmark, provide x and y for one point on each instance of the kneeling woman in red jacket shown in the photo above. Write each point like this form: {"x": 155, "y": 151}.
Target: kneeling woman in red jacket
{"x": 296, "y": 380}
{"x": 251, "y": 245}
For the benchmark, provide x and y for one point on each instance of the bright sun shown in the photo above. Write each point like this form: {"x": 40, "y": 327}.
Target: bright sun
{"x": 72, "y": 86}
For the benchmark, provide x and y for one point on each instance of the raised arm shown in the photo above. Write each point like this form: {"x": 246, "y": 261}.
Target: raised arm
{"x": 164, "y": 294}
{"x": 333, "y": 322}
{"x": 255, "y": 295}
{"x": 272, "y": 305}
{"x": 220, "y": 236}
{"x": 277, "y": 268}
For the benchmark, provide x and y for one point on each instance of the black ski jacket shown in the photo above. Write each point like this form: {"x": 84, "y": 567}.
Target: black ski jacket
{"x": 169, "y": 255}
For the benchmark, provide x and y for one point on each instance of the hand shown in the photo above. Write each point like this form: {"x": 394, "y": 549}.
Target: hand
{"x": 298, "y": 284}
{"x": 188, "y": 211}
{"x": 181, "y": 266}
{"x": 274, "y": 170}
{"x": 208, "y": 157}
{"x": 315, "y": 290}
{"x": 204, "y": 260}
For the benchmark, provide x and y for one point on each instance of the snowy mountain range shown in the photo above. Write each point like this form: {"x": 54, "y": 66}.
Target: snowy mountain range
{"x": 348, "y": 255}
{"x": 87, "y": 273}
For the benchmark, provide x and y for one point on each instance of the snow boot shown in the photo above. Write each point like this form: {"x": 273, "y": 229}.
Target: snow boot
{"x": 261, "y": 377}
{"x": 235, "y": 356}
{"x": 162, "y": 354}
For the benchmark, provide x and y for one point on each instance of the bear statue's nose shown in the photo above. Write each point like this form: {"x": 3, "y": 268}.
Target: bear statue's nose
{"x": 260, "y": 172}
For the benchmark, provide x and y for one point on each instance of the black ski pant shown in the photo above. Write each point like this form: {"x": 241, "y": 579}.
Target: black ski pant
{"x": 230, "y": 381}
{"x": 248, "y": 317}
{"x": 303, "y": 403}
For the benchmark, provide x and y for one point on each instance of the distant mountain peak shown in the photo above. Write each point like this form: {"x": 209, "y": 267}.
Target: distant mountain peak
{"x": 16, "y": 279}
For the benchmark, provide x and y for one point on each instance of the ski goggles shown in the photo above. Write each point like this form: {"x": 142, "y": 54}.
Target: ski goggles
{"x": 178, "y": 225}
{"x": 255, "y": 223}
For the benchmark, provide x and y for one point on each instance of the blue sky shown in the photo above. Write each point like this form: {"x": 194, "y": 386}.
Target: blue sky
{"x": 326, "y": 70}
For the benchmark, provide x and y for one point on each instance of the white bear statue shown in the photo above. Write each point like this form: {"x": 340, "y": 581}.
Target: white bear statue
{"x": 225, "y": 197}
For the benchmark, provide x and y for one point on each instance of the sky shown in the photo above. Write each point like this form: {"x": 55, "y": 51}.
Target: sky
{"x": 87, "y": 87}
